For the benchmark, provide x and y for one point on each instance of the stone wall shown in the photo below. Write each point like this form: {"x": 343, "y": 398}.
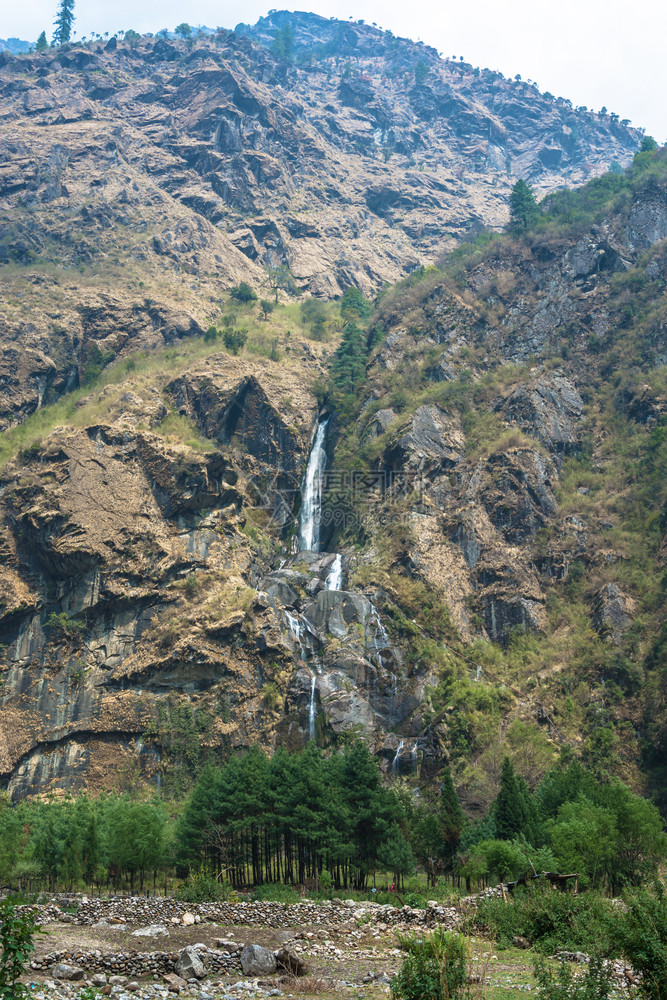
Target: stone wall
{"x": 135, "y": 963}
{"x": 141, "y": 911}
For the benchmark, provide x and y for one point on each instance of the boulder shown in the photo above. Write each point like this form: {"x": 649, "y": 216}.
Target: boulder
{"x": 190, "y": 964}
{"x": 257, "y": 961}
{"x": 188, "y": 919}
{"x": 64, "y": 971}
{"x": 154, "y": 930}
{"x": 174, "y": 983}
{"x": 291, "y": 962}
{"x": 226, "y": 944}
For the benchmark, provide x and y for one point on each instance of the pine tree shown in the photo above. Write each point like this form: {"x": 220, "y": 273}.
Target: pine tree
{"x": 450, "y": 816}
{"x": 524, "y": 211}
{"x": 63, "y": 22}
{"x": 509, "y": 809}
{"x": 349, "y": 362}
{"x": 41, "y": 44}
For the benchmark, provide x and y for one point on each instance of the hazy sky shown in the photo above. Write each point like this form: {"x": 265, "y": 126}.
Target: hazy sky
{"x": 595, "y": 52}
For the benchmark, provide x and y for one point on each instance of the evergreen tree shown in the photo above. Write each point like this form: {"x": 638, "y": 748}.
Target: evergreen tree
{"x": 63, "y": 22}
{"x": 509, "y": 809}
{"x": 524, "y": 211}
{"x": 41, "y": 44}
{"x": 283, "y": 43}
{"x": 450, "y": 817}
{"x": 349, "y": 362}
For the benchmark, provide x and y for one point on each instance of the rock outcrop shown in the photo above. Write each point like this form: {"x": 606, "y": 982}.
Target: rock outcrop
{"x": 138, "y": 181}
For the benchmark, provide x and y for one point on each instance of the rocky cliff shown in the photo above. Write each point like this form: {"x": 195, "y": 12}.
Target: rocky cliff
{"x": 140, "y": 180}
{"x": 489, "y": 572}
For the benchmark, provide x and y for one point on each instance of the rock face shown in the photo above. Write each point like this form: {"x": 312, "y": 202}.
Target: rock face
{"x": 257, "y": 961}
{"x": 613, "y": 612}
{"x": 550, "y": 409}
{"x": 136, "y": 182}
{"x": 151, "y": 591}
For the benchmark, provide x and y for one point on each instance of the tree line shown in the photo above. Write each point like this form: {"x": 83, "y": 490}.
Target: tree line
{"x": 297, "y": 815}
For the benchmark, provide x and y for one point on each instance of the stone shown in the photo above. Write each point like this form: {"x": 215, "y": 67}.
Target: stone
{"x": 291, "y": 962}
{"x": 154, "y": 930}
{"x": 174, "y": 983}
{"x": 99, "y": 979}
{"x": 188, "y": 919}
{"x": 520, "y": 942}
{"x": 190, "y": 964}
{"x": 225, "y": 944}
{"x": 117, "y": 980}
{"x": 71, "y": 973}
{"x": 257, "y": 961}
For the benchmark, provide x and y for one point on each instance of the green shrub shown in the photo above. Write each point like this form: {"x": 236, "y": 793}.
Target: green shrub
{"x": 17, "y": 931}
{"x": 415, "y": 899}
{"x": 67, "y": 626}
{"x": 234, "y": 339}
{"x": 549, "y": 919}
{"x": 243, "y": 292}
{"x": 562, "y": 984}
{"x": 275, "y": 892}
{"x": 435, "y": 967}
{"x": 642, "y": 937}
{"x": 202, "y": 886}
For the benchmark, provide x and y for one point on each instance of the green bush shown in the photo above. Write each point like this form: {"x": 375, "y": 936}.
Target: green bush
{"x": 549, "y": 919}
{"x": 203, "y": 887}
{"x": 415, "y": 899}
{"x": 234, "y": 340}
{"x": 562, "y": 984}
{"x": 642, "y": 937}
{"x": 275, "y": 892}
{"x": 17, "y": 931}
{"x": 67, "y": 626}
{"x": 435, "y": 968}
{"x": 243, "y": 292}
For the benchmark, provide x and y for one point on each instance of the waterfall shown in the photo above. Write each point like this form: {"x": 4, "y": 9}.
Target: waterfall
{"x": 334, "y": 580}
{"x": 311, "y": 495}
{"x": 311, "y": 708}
{"x": 297, "y": 628}
{"x": 380, "y": 638}
{"x": 394, "y": 765}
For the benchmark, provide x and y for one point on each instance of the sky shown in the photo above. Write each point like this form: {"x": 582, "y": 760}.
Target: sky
{"x": 595, "y": 52}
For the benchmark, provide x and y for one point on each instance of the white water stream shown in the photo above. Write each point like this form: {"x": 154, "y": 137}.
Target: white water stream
{"x": 394, "y": 763}
{"x": 311, "y": 500}
{"x": 334, "y": 580}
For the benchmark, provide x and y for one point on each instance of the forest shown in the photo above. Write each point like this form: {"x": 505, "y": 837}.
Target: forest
{"x": 305, "y": 816}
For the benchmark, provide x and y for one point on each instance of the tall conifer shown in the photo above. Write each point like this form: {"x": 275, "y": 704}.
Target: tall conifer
{"x": 63, "y": 22}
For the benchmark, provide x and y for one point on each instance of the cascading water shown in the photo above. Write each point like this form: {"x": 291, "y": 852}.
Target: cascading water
{"x": 311, "y": 499}
{"x": 380, "y": 638}
{"x": 311, "y": 708}
{"x": 297, "y": 628}
{"x": 334, "y": 580}
{"x": 394, "y": 764}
